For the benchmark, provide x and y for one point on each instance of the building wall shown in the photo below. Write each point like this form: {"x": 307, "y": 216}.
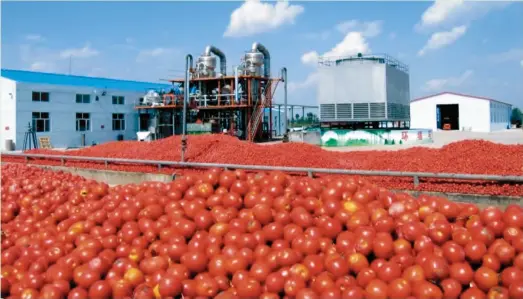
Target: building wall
{"x": 7, "y": 111}
{"x": 62, "y": 109}
{"x": 499, "y": 116}
{"x": 474, "y": 114}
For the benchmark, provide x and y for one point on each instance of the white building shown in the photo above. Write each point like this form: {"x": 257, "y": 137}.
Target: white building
{"x": 68, "y": 109}
{"x": 461, "y": 112}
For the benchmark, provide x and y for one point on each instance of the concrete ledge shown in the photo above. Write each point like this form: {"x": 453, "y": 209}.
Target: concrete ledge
{"x": 479, "y": 199}
{"x": 111, "y": 177}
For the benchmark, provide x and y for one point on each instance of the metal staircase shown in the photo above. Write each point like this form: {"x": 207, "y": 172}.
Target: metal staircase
{"x": 258, "y": 112}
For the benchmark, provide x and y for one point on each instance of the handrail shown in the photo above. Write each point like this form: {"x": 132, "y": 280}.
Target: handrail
{"x": 310, "y": 171}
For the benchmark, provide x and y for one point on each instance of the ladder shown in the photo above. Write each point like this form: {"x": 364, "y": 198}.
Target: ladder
{"x": 257, "y": 116}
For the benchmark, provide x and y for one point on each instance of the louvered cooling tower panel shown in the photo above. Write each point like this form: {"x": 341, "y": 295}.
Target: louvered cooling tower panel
{"x": 343, "y": 111}
{"x": 327, "y": 111}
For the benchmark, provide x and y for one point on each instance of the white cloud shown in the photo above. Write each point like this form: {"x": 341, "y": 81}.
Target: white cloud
{"x": 521, "y": 62}
{"x": 84, "y": 52}
{"x": 310, "y": 58}
{"x": 451, "y": 12}
{"x": 440, "y": 11}
{"x": 511, "y": 55}
{"x": 367, "y": 29}
{"x": 441, "y": 39}
{"x": 153, "y": 53}
{"x": 352, "y": 44}
{"x": 254, "y": 17}
{"x": 310, "y": 81}
{"x": 34, "y": 38}
{"x": 43, "y": 66}
{"x": 440, "y": 84}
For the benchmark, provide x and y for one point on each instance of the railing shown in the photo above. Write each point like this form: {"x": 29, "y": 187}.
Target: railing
{"x": 310, "y": 171}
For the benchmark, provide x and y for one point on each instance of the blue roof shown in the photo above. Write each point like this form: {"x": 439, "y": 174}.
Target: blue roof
{"x": 71, "y": 80}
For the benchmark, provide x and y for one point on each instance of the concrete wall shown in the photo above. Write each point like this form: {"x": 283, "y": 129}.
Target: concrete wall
{"x": 473, "y": 113}
{"x": 62, "y": 109}
{"x": 7, "y": 111}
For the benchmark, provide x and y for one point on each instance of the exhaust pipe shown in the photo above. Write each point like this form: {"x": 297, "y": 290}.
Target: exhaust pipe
{"x": 266, "y": 58}
{"x": 188, "y": 67}
{"x": 223, "y": 61}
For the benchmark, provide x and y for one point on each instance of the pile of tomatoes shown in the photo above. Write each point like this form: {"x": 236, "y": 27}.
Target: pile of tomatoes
{"x": 468, "y": 156}
{"x": 229, "y": 234}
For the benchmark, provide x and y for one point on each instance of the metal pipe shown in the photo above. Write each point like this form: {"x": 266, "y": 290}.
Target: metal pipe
{"x": 284, "y": 78}
{"x": 223, "y": 61}
{"x": 187, "y": 90}
{"x": 455, "y": 176}
{"x": 236, "y": 69}
{"x": 266, "y": 58}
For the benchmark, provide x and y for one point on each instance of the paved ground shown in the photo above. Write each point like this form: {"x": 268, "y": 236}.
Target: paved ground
{"x": 442, "y": 138}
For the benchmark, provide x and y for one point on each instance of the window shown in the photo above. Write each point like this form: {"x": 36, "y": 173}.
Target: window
{"x": 118, "y": 100}
{"x": 83, "y": 98}
{"x": 41, "y": 122}
{"x": 40, "y": 96}
{"x": 118, "y": 122}
{"x": 83, "y": 121}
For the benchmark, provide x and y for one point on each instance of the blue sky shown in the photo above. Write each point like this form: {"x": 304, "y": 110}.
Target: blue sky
{"x": 451, "y": 45}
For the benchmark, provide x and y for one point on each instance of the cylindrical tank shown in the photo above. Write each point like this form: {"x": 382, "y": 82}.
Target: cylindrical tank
{"x": 253, "y": 63}
{"x": 205, "y": 66}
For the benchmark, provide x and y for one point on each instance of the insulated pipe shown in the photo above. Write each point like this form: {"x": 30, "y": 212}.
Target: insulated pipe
{"x": 236, "y": 70}
{"x": 266, "y": 57}
{"x": 223, "y": 61}
{"x": 284, "y": 78}
{"x": 187, "y": 90}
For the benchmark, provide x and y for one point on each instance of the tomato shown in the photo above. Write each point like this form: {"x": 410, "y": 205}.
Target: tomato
{"x": 376, "y": 289}
{"x": 473, "y": 293}
{"x": 485, "y": 278}
{"x": 426, "y": 290}
{"x": 100, "y": 289}
{"x": 435, "y": 268}
{"x": 515, "y": 290}
{"x": 475, "y": 250}
{"x": 461, "y": 272}
{"x": 451, "y": 288}
{"x": 511, "y": 275}
{"x": 399, "y": 288}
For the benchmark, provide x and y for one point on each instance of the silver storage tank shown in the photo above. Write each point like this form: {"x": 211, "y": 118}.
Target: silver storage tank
{"x": 253, "y": 63}
{"x": 205, "y": 66}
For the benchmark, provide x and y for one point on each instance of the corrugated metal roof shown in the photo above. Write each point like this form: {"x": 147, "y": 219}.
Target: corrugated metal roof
{"x": 459, "y": 94}
{"x": 72, "y": 80}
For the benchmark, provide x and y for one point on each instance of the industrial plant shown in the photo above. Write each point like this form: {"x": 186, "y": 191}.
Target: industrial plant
{"x": 218, "y": 102}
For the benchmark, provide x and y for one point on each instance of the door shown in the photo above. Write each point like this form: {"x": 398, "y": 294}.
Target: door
{"x": 438, "y": 117}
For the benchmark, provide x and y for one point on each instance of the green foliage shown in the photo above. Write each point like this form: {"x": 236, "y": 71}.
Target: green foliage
{"x": 516, "y": 116}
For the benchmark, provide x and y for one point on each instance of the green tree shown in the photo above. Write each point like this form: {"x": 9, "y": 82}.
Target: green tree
{"x": 516, "y": 117}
